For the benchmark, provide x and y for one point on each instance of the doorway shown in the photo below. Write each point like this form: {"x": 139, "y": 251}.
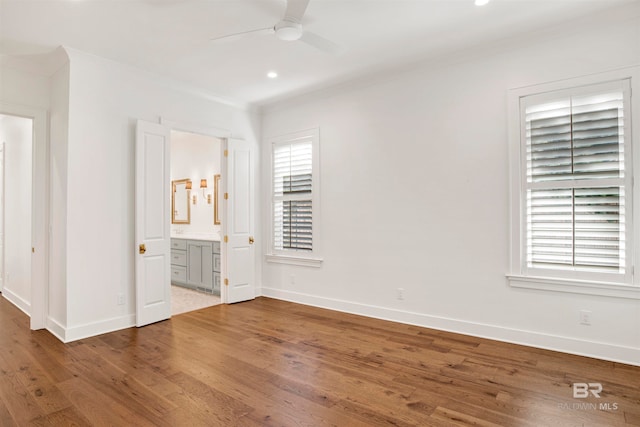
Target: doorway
{"x": 195, "y": 224}
{"x": 153, "y": 187}
{"x": 16, "y": 166}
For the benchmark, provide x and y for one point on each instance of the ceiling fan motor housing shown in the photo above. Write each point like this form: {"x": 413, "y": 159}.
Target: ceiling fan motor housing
{"x": 288, "y": 30}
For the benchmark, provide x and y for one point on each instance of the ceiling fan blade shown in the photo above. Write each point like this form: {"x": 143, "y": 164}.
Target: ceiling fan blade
{"x": 244, "y": 34}
{"x": 321, "y": 43}
{"x": 295, "y": 10}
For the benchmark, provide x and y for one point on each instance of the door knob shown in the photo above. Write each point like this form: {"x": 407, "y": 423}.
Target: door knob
{"x": 251, "y": 240}
{"x": 142, "y": 248}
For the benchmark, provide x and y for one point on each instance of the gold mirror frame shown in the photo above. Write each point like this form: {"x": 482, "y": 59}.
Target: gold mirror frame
{"x": 174, "y": 184}
{"x": 216, "y": 214}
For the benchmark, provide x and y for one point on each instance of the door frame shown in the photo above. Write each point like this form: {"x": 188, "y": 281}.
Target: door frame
{"x": 40, "y": 214}
{"x": 222, "y": 135}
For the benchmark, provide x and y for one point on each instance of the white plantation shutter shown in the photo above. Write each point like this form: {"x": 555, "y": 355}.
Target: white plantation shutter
{"x": 292, "y": 195}
{"x": 576, "y": 179}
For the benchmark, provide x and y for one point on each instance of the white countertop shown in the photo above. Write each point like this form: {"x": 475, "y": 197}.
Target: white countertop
{"x": 210, "y": 237}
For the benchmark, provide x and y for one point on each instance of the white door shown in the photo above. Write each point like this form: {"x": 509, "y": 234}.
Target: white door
{"x": 239, "y": 223}
{"x": 153, "y": 263}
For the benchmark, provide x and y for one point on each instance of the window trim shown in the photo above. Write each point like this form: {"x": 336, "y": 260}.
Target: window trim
{"x": 292, "y": 256}
{"x": 522, "y": 276}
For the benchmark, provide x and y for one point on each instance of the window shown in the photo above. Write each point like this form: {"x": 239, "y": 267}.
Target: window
{"x": 574, "y": 201}
{"x": 292, "y": 196}
{"x": 295, "y": 201}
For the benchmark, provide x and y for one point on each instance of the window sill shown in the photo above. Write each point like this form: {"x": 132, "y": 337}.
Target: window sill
{"x": 575, "y": 286}
{"x": 293, "y": 260}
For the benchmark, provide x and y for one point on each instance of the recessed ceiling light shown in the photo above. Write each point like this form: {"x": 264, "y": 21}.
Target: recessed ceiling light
{"x": 481, "y": 2}
{"x": 272, "y": 74}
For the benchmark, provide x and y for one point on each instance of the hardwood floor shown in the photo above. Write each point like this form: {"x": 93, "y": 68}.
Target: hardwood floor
{"x": 268, "y": 362}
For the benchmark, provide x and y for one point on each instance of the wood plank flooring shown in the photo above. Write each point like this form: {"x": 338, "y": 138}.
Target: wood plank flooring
{"x": 273, "y": 363}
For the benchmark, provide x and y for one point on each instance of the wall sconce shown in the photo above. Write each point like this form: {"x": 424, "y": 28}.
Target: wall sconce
{"x": 203, "y": 185}
{"x": 188, "y": 185}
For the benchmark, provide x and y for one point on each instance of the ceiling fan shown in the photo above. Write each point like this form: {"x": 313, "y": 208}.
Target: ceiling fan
{"x": 289, "y": 28}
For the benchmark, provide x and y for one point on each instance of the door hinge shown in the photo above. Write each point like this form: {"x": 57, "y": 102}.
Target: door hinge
{"x": 226, "y": 196}
{"x": 33, "y": 250}
{"x": 226, "y": 153}
{"x": 226, "y": 282}
{"x": 226, "y": 239}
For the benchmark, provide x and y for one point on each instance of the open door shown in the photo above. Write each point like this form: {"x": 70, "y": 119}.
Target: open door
{"x": 239, "y": 221}
{"x": 153, "y": 242}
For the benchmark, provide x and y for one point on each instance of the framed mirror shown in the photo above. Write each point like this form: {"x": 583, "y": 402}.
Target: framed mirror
{"x": 180, "y": 196}
{"x": 216, "y": 204}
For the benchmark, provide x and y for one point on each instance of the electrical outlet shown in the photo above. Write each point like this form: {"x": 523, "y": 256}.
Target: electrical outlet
{"x": 585, "y": 317}
{"x": 120, "y": 299}
{"x": 400, "y": 294}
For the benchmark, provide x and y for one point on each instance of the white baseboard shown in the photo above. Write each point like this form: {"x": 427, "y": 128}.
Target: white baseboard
{"x": 614, "y": 353}
{"x": 56, "y": 328}
{"x": 74, "y": 333}
{"x": 21, "y": 303}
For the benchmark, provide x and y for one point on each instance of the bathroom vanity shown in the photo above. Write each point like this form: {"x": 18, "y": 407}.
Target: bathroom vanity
{"x": 195, "y": 263}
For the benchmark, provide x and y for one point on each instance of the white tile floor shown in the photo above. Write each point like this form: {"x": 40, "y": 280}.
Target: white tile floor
{"x": 184, "y": 300}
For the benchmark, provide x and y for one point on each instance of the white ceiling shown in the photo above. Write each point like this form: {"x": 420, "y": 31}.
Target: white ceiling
{"x": 171, "y": 37}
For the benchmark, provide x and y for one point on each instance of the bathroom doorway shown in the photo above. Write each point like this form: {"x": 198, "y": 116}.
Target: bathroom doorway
{"x": 195, "y": 224}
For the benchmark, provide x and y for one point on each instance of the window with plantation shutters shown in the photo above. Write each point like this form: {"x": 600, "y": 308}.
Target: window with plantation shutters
{"x": 576, "y": 192}
{"x": 294, "y": 196}
{"x": 292, "y": 207}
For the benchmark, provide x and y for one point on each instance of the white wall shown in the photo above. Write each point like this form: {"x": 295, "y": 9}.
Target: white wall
{"x": 17, "y": 135}
{"x": 196, "y": 157}
{"x": 415, "y": 195}
{"x": 106, "y": 99}
{"x": 23, "y": 88}
{"x": 59, "y": 134}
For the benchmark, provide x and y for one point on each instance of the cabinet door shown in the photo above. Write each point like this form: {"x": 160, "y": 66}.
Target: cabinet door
{"x": 207, "y": 267}
{"x": 194, "y": 267}
{"x": 216, "y": 262}
{"x": 216, "y": 283}
{"x": 200, "y": 265}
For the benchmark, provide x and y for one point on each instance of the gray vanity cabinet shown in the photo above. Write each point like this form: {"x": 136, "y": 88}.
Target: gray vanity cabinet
{"x": 196, "y": 264}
